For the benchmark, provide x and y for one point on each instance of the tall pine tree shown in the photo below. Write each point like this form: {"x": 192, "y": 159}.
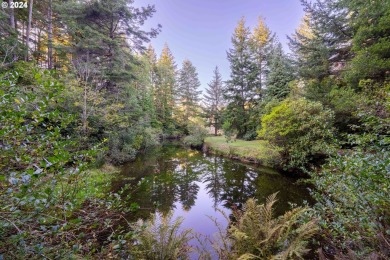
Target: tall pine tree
{"x": 187, "y": 92}
{"x": 280, "y": 74}
{"x": 164, "y": 90}
{"x": 261, "y": 42}
{"x": 370, "y": 41}
{"x": 241, "y": 88}
{"x": 213, "y": 100}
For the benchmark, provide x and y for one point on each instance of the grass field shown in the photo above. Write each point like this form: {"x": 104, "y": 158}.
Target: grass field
{"x": 258, "y": 151}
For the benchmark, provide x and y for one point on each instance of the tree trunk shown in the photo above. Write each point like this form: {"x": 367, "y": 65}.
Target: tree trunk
{"x": 38, "y": 48}
{"x": 28, "y": 28}
{"x": 85, "y": 115}
{"x": 11, "y": 15}
{"x": 50, "y": 37}
{"x": 215, "y": 127}
{"x": 23, "y": 32}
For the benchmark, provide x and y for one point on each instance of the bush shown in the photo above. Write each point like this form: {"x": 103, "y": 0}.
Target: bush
{"x": 229, "y": 132}
{"x": 301, "y": 128}
{"x": 121, "y": 148}
{"x": 249, "y": 136}
{"x": 196, "y": 136}
{"x": 151, "y": 137}
{"x": 352, "y": 189}
{"x": 125, "y": 144}
{"x": 344, "y": 102}
{"x": 353, "y": 205}
{"x": 40, "y": 167}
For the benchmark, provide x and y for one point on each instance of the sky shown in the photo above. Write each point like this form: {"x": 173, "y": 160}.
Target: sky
{"x": 201, "y": 30}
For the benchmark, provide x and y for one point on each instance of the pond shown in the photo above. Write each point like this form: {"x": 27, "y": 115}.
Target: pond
{"x": 197, "y": 186}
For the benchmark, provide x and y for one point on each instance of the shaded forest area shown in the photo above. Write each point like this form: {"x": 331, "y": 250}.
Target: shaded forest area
{"x": 79, "y": 88}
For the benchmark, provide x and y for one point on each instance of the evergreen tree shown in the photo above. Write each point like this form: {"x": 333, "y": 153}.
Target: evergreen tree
{"x": 187, "y": 91}
{"x": 371, "y": 40}
{"x": 150, "y": 60}
{"x": 261, "y": 42}
{"x": 11, "y": 46}
{"x": 281, "y": 73}
{"x": 311, "y": 54}
{"x": 146, "y": 80}
{"x": 328, "y": 45}
{"x": 240, "y": 90}
{"x": 110, "y": 45}
{"x": 349, "y": 37}
{"x": 213, "y": 100}
{"x": 164, "y": 90}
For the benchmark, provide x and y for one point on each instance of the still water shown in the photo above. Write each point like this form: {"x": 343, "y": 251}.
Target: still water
{"x": 197, "y": 186}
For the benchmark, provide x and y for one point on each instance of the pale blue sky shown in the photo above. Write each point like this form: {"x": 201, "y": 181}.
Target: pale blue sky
{"x": 201, "y": 30}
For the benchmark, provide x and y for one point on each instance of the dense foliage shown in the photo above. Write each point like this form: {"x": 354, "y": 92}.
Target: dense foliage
{"x": 214, "y": 102}
{"x": 344, "y": 66}
{"x": 353, "y": 203}
{"x": 85, "y": 93}
{"x": 197, "y": 134}
{"x": 303, "y": 129}
{"x": 41, "y": 166}
{"x": 79, "y": 88}
{"x": 243, "y": 91}
{"x": 257, "y": 234}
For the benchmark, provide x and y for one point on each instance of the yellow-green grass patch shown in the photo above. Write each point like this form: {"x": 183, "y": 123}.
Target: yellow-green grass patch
{"x": 258, "y": 151}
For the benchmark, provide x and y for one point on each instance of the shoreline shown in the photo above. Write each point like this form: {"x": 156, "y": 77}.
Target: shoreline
{"x": 257, "y": 152}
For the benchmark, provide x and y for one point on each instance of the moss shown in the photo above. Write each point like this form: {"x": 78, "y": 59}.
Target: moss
{"x": 258, "y": 151}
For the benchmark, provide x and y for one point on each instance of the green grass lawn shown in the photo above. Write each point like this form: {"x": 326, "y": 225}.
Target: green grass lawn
{"x": 259, "y": 151}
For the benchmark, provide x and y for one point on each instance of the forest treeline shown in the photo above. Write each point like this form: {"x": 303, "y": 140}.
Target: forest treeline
{"x": 325, "y": 108}
{"x": 117, "y": 89}
{"x": 80, "y": 85}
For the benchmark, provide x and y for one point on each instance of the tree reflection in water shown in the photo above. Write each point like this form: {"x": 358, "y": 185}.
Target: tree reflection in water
{"x": 173, "y": 178}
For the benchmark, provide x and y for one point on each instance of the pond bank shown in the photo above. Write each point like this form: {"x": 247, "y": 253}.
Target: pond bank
{"x": 256, "y": 151}
{"x": 200, "y": 188}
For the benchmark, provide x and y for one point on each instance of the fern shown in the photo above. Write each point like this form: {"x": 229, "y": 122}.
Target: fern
{"x": 160, "y": 238}
{"x": 258, "y": 235}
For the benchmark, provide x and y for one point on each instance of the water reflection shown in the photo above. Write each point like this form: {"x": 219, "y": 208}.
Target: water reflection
{"x": 173, "y": 178}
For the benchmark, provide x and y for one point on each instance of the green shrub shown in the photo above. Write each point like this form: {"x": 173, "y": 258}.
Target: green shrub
{"x": 229, "y": 132}
{"x": 352, "y": 189}
{"x": 353, "y": 204}
{"x": 301, "y": 128}
{"x": 344, "y": 102}
{"x": 151, "y": 137}
{"x": 249, "y": 136}
{"x": 124, "y": 145}
{"x": 40, "y": 169}
{"x": 121, "y": 148}
{"x": 196, "y": 136}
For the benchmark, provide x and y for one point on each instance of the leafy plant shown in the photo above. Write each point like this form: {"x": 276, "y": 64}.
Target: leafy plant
{"x": 160, "y": 238}
{"x": 196, "y": 136}
{"x": 41, "y": 167}
{"x": 229, "y": 132}
{"x": 257, "y": 234}
{"x": 303, "y": 129}
{"x": 352, "y": 189}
